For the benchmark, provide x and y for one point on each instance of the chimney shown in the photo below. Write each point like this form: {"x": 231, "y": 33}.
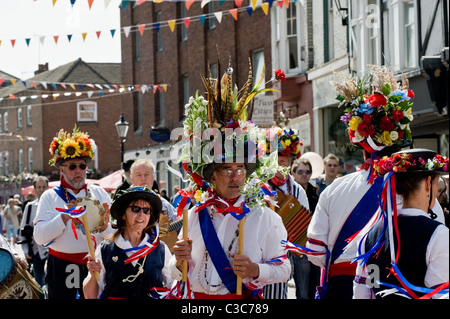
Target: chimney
{"x": 41, "y": 68}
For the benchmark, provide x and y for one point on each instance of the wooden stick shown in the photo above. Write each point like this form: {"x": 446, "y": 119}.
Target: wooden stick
{"x": 184, "y": 263}
{"x": 240, "y": 252}
{"x": 89, "y": 241}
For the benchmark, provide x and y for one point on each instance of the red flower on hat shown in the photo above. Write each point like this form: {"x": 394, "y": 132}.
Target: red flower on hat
{"x": 377, "y": 100}
{"x": 411, "y": 93}
{"x": 386, "y": 124}
{"x": 397, "y": 115}
{"x": 279, "y": 75}
{"x": 366, "y": 129}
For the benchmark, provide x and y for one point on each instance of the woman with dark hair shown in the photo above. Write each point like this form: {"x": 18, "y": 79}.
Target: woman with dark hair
{"x": 416, "y": 266}
{"x": 133, "y": 260}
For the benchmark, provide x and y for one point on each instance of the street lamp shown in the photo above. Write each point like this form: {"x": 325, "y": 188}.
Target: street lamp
{"x": 122, "y": 130}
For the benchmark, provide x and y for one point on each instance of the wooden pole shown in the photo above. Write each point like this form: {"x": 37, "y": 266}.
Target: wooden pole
{"x": 89, "y": 241}
{"x": 184, "y": 263}
{"x": 240, "y": 252}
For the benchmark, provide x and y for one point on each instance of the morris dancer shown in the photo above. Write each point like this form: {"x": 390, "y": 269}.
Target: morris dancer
{"x": 133, "y": 260}
{"x": 417, "y": 265}
{"x": 289, "y": 149}
{"x": 380, "y": 125}
{"x": 228, "y": 187}
{"x": 66, "y": 263}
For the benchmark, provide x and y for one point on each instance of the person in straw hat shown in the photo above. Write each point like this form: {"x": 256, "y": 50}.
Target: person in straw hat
{"x": 55, "y": 226}
{"x": 229, "y": 195}
{"x": 133, "y": 261}
{"x": 405, "y": 248}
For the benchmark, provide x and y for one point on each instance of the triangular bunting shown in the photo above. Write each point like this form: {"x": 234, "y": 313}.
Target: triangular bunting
{"x": 265, "y": 7}
{"x": 187, "y": 21}
{"x": 98, "y": 34}
{"x": 27, "y": 40}
{"x": 238, "y": 3}
{"x": 141, "y": 28}
{"x": 56, "y": 37}
{"x": 90, "y": 2}
{"x": 126, "y": 30}
{"x": 218, "y": 16}
{"x": 249, "y": 11}
{"x": 204, "y": 3}
{"x": 156, "y": 25}
{"x": 84, "y": 35}
{"x": 13, "y": 42}
{"x": 69, "y": 37}
{"x": 171, "y": 24}
{"x": 189, "y": 3}
{"x": 113, "y": 31}
{"x": 234, "y": 13}
{"x": 202, "y": 19}
{"x": 254, "y": 2}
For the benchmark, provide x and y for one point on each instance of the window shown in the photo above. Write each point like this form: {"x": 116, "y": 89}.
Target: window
{"x": 29, "y": 119}
{"x": 6, "y": 163}
{"x": 183, "y": 11}
{"x": 5, "y": 122}
{"x": 212, "y": 19}
{"x": 30, "y": 159}
{"x": 87, "y": 111}
{"x": 373, "y": 33}
{"x": 138, "y": 46}
{"x": 257, "y": 66}
{"x": 19, "y": 118}
{"x": 20, "y": 160}
{"x": 291, "y": 26}
{"x": 328, "y": 30}
{"x": 213, "y": 70}
{"x": 137, "y": 113}
{"x": 158, "y": 33}
{"x": 410, "y": 43}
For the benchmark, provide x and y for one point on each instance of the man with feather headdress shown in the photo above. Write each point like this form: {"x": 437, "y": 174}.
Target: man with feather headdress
{"x": 230, "y": 188}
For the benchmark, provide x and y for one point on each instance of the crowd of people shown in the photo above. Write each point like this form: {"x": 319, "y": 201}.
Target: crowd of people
{"x": 235, "y": 237}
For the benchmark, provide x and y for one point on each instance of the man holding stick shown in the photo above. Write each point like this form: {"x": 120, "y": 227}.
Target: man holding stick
{"x": 60, "y": 232}
{"x": 233, "y": 241}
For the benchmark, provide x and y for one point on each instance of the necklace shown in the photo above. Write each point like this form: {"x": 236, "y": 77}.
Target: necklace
{"x": 132, "y": 278}
{"x": 210, "y": 287}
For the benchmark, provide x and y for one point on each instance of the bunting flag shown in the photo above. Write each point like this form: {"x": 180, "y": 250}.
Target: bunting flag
{"x": 265, "y": 6}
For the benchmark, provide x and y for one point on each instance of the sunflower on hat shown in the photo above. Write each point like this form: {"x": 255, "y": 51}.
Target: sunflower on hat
{"x": 66, "y": 146}
{"x": 377, "y": 108}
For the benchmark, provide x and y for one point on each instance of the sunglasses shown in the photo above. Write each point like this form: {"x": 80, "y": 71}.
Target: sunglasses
{"x": 300, "y": 172}
{"x": 72, "y": 167}
{"x": 137, "y": 209}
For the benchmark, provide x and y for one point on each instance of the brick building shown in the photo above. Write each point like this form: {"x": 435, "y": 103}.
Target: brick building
{"x": 33, "y": 111}
{"x": 177, "y": 58}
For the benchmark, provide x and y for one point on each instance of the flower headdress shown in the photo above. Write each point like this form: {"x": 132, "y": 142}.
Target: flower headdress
{"x": 66, "y": 146}
{"x": 289, "y": 143}
{"x": 377, "y": 109}
{"x": 220, "y": 120}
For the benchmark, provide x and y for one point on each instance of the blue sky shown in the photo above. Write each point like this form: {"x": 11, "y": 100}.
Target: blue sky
{"x": 40, "y": 19}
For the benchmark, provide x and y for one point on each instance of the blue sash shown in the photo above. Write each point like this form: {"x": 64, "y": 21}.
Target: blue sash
{"x": 216, "y": 251}
{"x": 61, "y": 193}
{"x": 359, "y": 217}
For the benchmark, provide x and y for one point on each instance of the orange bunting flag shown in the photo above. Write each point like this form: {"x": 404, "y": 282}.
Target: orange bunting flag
{"x": 84, "y": 35}
{"x": 171, "y": 24}
{"x": 54, "y": 1}
{"x": 234, "y": 13}
{"x": 286, "y": 3}
{"x": 90, "y": 3}
{"x": 265, "y": 7}
{"x": 186, "y": 22}
{"x": 189, "y": 3}
{"x": 141, "y": 28}
{"x": 56, "y": 37}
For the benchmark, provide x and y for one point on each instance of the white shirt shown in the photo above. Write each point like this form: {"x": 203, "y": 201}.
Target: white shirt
{"x": 50, "y": 228}
{"x": 335, "y": 204}
{"x": 437, "y": 259}
{"x": 263, "y": 233}
{"x": 125, "y": 244}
